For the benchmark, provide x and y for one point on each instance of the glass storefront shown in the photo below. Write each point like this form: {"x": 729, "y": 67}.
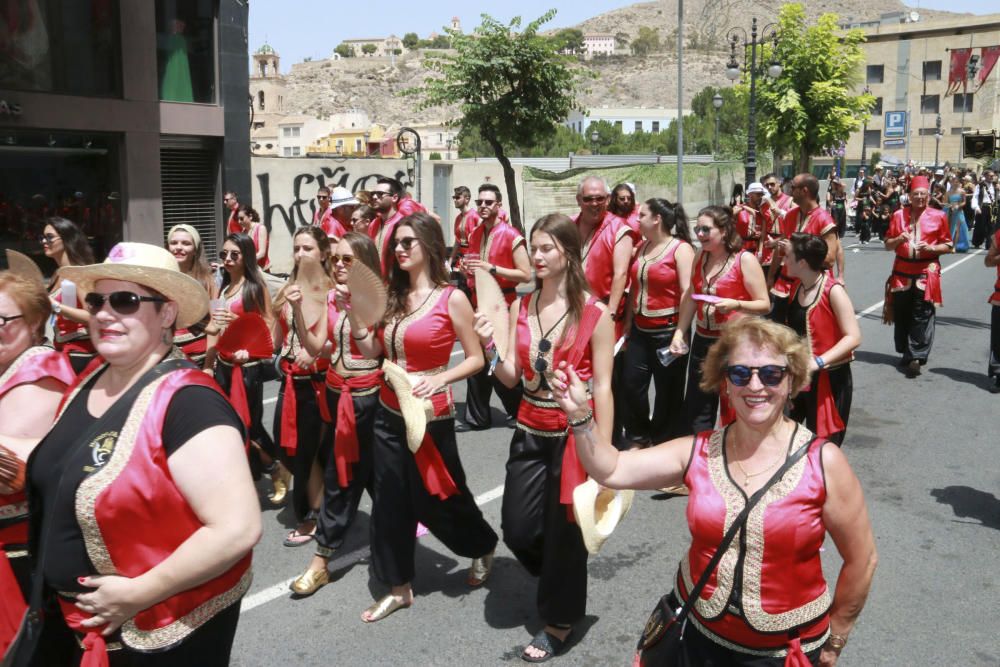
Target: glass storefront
{"x": 71, "y": 175}
{"x": 185, "y": 50}
{"x": 60, "y": 46}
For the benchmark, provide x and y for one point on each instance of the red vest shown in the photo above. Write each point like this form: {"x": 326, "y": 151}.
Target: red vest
{"x": 599, "y": 251}
{"x": 777, "y": 560}
{"x": 529, "y": 334}
{"x": 655, "y": 287}
{"x": 748, "y": 225}
{"x": 817, "y": 222}
{"x": 728, "y": 284}
{"x": 464, "y": 224}
{"x": 132, "y": 517}
{"x": 381, "y": 233}
{"x": 822, "y": 329}
{"x": 329, "y": 224}
{"x": 932, "y": 228}
{"x": 995, "y": 298}
{"x": 496, "y": 247}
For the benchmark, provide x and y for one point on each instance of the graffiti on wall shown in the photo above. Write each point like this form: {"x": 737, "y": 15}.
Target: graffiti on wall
{"x": 300, "y": 209}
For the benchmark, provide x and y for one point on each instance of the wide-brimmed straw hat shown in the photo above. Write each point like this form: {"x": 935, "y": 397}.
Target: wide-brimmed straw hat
{"x": 491, "y": 303}
{"x": 413, "y": 409}
{"x": 598, "y": 512}
{"x": 23, "y": 266}
{"x": 152, "y": 267}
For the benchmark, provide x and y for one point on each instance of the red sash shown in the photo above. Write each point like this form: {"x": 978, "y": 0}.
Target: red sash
{"x": 95, "y": 647}
{"x": 290, "y": 410}
{"x": 345, "y": 441}
{"x": 434, "y": 472}
{"x": 12, "y": 604}
{"x": 828, "y": 419}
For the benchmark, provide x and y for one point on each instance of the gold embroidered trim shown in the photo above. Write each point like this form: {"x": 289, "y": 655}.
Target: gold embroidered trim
{"x": 30, "y": 353}
{"x": 168, "y": 635}
{"x": 79, "y": 334}
{"x": 545, "y": 434}
{"x": 775, "y": 653}
{"x": 711, "y": 287}
{"x": 810, "y": 307}
{"x": 399, "y": 326}
{"x": 17, "y": 554}
{"x": 643, "y": 279}
{"x": 346, "y": 362}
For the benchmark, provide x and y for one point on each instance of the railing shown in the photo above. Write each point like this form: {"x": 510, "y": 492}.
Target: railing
{"x": 559, "y": 164}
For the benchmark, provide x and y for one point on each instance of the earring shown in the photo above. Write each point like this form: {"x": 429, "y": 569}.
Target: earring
{"x": 168, "y": 337}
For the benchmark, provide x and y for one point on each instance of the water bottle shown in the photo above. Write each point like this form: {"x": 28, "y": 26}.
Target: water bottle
{"x": 218, "y": 278}
{"x": 67, "y": 293}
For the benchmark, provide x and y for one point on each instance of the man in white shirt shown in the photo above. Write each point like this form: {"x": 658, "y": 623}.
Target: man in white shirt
{"x": 984, "y": 204}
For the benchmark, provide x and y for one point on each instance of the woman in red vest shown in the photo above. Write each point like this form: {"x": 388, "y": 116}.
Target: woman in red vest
{"x": 64, "y": 243}
{"x": 822, "y": 313}
{"x": 767, "y": 602}
{"x": 993, "y": 260}
{"x": 250, "y": 225}
{"x": 146, "y": 510}
{"x": 32, "y": 381}
{"x": 559, "y": 321}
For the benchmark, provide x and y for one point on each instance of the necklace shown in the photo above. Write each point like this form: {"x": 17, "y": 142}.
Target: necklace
{"x": 544, "y": 345}
{"x": 747, "y": 476}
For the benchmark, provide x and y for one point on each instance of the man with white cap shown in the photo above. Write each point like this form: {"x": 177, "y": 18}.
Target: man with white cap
{"x": 334, "y": 208}
{"x": 751, "y": 219}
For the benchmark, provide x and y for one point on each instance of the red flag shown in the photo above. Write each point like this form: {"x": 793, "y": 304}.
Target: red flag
{"x": 957, "y": 73}
{"x": 989, "y": 59}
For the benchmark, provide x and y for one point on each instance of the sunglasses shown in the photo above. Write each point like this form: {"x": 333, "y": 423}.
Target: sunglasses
{"x": 594, "y": 199}
{"x": 485, "y": 202}
{"x": 123, "y": 303}
{"x": 346, "y": 260}
{"x": 703, "y": 229}
{"x": 226, "y": 254}
{"x": 48, "y": 238}
{"x": 377, "y": 194}
{"x": 6, "y": 319}
{"x": 322, "y": 196}
{"x": 770, "y": 375}
{"x": 406, "y": 242}
{"x": 541, "y": 364}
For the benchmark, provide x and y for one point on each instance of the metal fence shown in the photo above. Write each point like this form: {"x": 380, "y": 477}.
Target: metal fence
{"x": 560, "y": 164}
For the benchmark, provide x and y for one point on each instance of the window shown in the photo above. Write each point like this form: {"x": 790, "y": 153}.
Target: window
{"x": 618, "y": 124}
{"x": 291, "y": 131}
{"x": 877, "y": 109}
{"x": 60, "y": 46}
{"x": 260, "y": 100}
{"x": 357, "y": 145}
{"x": 875, "y": 74}
{"x": 340, "y": 145}
{"x": 873, "y": 138}
{"x": 656, "y": 126}
{"x": 185, "y": 50}
{"x": 638, "y": 126}
{"x": 960, "y": 130}
{"x": 286, "y": 152}
{"x": 927, "y": 131}
{"x": 296, "y": 151}
{"x": 963, "y": 102}
{"x": 932, "y": 70}
{"x": 930, "y": 104}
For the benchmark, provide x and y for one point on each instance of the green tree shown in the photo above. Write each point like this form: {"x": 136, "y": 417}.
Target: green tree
{"x": 344, "y": 51}
{"x": 441, "y": 42}
{"x": 411, "y": 40}
{"x": 812, "y": 104}
{"x": 569, "y": 40}
{"x": 621, "y": 40}
{"x": 512, "y": 86}
{"x": 368, "y": 49}
{"x": 647, "y": 42}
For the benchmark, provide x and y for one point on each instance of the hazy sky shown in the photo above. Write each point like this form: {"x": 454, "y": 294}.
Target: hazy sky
{"x": 301, "y": 28}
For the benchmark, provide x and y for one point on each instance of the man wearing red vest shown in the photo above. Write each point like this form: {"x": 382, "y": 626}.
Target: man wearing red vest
{"x": 385, "y": 198}
{"x": 324, "y": 216}
{"x": 465, "y": 221}
{"x": 918, "y": 235}
{"x": 232, "y": 202}
{"x": 499, "y": 248}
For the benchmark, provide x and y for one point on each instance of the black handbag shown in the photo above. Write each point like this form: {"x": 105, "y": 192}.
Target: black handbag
{"x": 661, "y": 640}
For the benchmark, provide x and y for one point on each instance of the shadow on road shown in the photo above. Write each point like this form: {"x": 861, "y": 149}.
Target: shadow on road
{"x": 964, "y": 322}
{"x": 971, "y": 503}
{"x": 979, "y": 380}
{"x": 878, "y": 359}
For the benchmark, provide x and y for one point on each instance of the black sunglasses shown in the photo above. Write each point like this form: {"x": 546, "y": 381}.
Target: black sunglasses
{"x": 6, "y": 319}
{"x": 226, "y": 254}
{"x": 378, "y": 194}
{"x": 593, "y": 199}
{"x": 485, "y": 202}
{"x": 48, "y": 238}
{"x": 770, "y": 375}
{"x": 123, "y": 303}
{"x": 703, "y": 229}
{"x": 407, "y": 242}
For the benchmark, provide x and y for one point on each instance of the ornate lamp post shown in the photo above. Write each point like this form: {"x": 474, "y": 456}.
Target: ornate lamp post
{"x": 594, "y": 136}
{"x": 733, "y": 71}
{"x": 937, "y": 139}
{"x": 864, "y": 131}
{"x": 717, "y": 103}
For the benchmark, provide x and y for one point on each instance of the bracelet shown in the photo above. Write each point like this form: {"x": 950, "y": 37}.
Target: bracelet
{"x": 361, "y": 337}
{"x": 820, "y": 363}
{"x": 576, "y": 423}
{"x": 836, "y": 642}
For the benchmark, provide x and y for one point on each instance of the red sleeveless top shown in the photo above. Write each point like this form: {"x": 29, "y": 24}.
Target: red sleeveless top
{"x": 822, "y": 330}
{"x": 656, "y": 287}
{"x": 343, "y": 348}
{"x": 529, "y": 333}
{"x": 496, "y": 247}
{"x": 727, "y": 284}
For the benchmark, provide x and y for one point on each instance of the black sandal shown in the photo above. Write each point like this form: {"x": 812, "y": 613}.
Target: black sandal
{"x": 548, "y": 643}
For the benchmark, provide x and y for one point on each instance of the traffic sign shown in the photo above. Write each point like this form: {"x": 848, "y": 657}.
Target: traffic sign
{"x": 895, "y": 124}
{"x": 891, "y": 143}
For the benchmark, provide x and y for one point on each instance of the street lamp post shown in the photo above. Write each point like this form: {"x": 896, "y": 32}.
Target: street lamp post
{"x": 768, "y": 33}
{"x": 594, "y": 136}
{"x": 717, "y": 103}
{"x": 937, "y": 140}
{"x": 864, "y": 130}
{"x": 367, "y": 136}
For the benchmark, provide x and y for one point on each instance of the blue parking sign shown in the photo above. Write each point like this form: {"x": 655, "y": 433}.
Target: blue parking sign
{"x": 895, "y": 124}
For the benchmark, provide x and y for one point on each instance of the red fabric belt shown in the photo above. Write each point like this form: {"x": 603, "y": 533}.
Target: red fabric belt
{"x": 289, "y": 405}
{"x": 345, "y": 441}
{"x": 12, "y": 605}
{"x": 828, "y": 419}
{"x": 95, "y": 647}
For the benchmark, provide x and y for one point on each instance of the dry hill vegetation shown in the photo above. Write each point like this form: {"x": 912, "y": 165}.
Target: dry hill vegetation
{"x": 321, "y": 88}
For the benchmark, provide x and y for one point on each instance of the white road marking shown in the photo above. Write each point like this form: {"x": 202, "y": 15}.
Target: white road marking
{"x": 281, "y": 589}
{"x": 945, "y": 270}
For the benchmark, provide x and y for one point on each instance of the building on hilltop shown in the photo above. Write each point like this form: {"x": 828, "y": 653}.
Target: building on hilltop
{"x": 908, "y": 71}
{"x": 354, "y": 141}
{"x": 595, "y": 44}
{"x": 628, "y": 119}
{"x": 297, "y": 132}
{"x": 379, "y": 47}
{"x": 267, "y": 100}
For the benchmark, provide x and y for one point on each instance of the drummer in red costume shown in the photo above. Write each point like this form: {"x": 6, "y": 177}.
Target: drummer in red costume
{"x": 32, "y": 381}
{"x": 385, "y": 199}
{"x": 821, "y": 313}
{"x": 352, "y": 388}
{"x": 499, "y": 248}
{"x": 325, "y": 216}
{"x": 148, "y": 512}
{"x": 807, "y": 217}
{"x": 424, "y": 318}
{"x": 993, "y": 260}
{"x": 918, "y": 235}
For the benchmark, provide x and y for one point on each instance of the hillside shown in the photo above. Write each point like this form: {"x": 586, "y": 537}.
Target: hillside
{"x": 324, "y": 87}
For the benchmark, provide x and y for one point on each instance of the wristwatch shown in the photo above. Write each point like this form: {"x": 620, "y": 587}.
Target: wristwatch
{"x": 493, "y": 269}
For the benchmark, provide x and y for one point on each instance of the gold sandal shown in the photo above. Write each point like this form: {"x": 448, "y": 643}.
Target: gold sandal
{"x": 383, "y": 608}
{"x": 310, "y": 581}
{"x": 281, "y": 484}
{"x": 479, "y": 570}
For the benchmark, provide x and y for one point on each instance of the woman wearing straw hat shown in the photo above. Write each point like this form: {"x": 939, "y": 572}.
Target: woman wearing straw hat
{"x": 184, "y": 243}
{"x": 770, "y": 606}
{"x": 244, "y": 291}
{"x": 424, "y": 318}
{"x": 298, "y": 416}
{"x": 64, "y": 243}
{"x": 146, "y": 513}
{"x": 352, "y": 387}
{"x": 32, "y": 381}
{"x": 560, "y": 321}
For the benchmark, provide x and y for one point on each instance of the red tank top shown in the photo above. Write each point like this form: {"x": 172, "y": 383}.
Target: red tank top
{"x": 727, "y": 284}
{"x": 656, "y": 287}
{"x": 338, "y": 332}
{"x": 822, "y": 330}
{"x": 529, "y": 333}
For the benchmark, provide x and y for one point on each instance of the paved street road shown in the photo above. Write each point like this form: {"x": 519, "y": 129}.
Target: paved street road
{"x": 926, "y": 453}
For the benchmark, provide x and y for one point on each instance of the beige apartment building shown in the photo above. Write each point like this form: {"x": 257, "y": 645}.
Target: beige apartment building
{"x": 908, "y": 63}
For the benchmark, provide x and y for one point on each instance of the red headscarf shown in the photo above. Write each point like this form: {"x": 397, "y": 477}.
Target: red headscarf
{"x": 919, "y": 182}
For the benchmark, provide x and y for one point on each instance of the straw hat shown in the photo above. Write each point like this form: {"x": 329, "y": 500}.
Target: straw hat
{"x": 598, "y": 512}
{"x": 491, "y": 303}
{"x": 368, "y": 295}
{"x": 22, "y": 265}
{"x": 152, "y": 267}
{"x": 413, "y": 409}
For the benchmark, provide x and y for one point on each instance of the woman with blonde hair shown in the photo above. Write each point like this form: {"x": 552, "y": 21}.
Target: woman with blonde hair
{"x": 184, "y": 243}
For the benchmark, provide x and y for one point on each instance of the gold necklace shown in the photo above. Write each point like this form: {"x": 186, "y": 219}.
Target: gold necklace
{"x": 747, "y": 476}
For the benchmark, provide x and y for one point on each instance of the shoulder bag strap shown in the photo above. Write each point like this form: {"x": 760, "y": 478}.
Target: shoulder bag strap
{"x": 738, "y": 524}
